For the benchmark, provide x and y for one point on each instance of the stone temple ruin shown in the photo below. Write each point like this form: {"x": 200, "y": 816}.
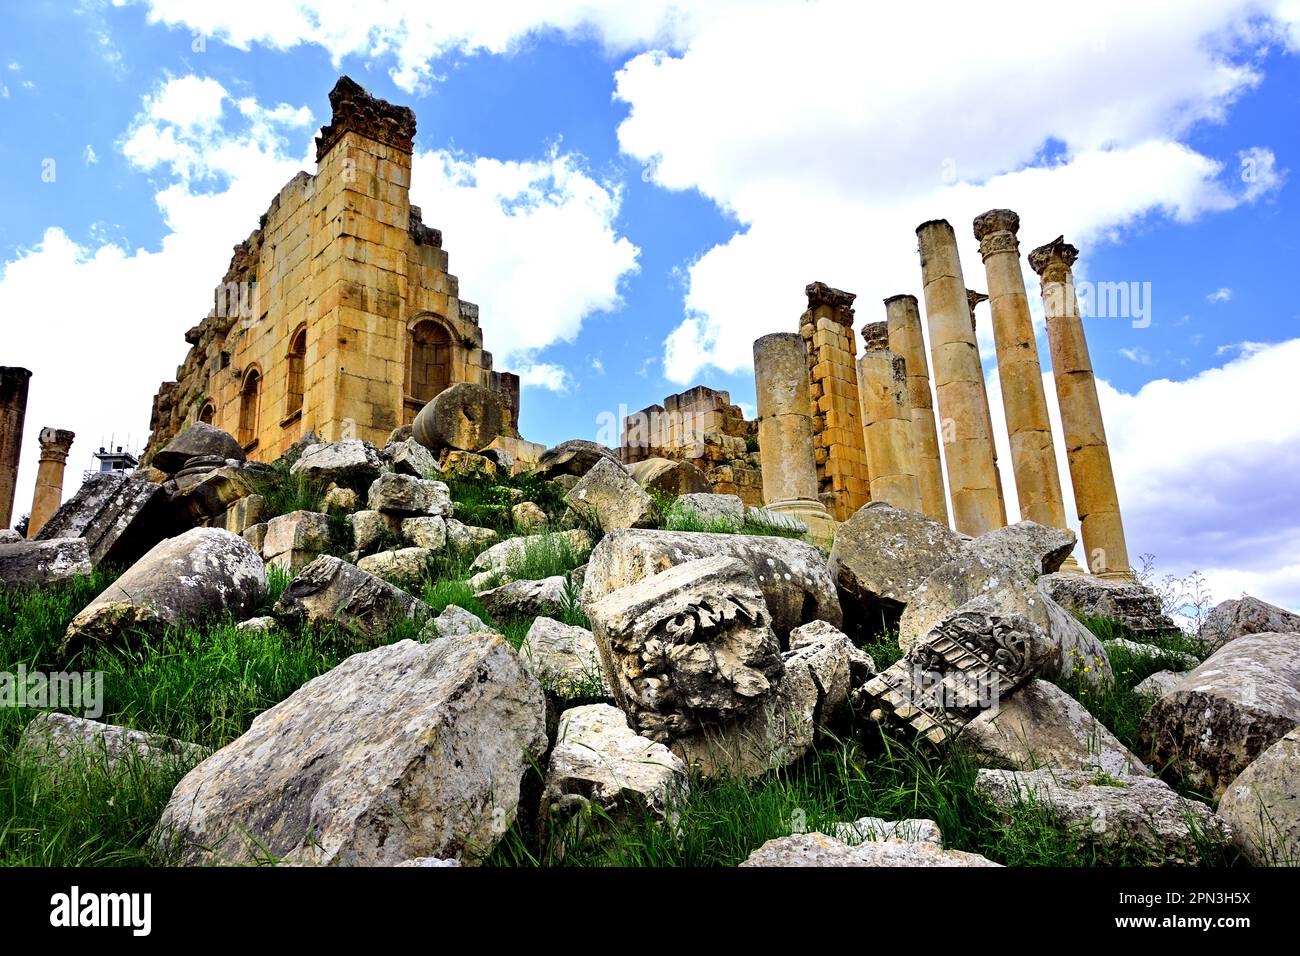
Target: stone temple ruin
{"x": 337, "y": 314}
{"x": 837, "y": 429}
{"x": 699, "y": 426}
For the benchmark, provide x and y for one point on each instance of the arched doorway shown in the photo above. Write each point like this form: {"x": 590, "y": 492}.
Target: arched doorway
{"x": 249, "y": 397}
{"x": 297, "y": 361}
{"x": 207, "y": 413}
{"x": 428, "y": 364}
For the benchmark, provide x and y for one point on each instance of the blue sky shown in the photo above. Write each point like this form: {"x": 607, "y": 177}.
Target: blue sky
{"x": 633, "y": 194}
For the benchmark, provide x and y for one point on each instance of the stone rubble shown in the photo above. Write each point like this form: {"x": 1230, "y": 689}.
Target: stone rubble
{"x": 405, "y": 751}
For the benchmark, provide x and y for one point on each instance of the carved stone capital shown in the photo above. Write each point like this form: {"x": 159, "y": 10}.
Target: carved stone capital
{"x": 875, "y": 336}
{"x": 973, "y": 299}
{"x": 55, "y": 443}
{"x": 1054, "y": 260}
{"x": 357, "y": 111}
{"x": 841, "y": 302}
{"x": 996, "y": 230}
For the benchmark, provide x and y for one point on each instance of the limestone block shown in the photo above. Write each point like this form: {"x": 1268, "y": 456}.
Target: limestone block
{"x": 294, "y": 540}
{"x": 395, "y": 734}
{"x": 1227, "y": 711}
{"x": 796, "y": 584}
{"x": 203, "y": 571}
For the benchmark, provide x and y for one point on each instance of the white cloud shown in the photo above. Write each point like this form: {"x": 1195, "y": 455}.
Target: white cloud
{"x": 1242, "y": 348}
{"x": 1219, "y": 295}
{"x": 88, "y": 155}
{"x": 545, "y": 375}
{"x": 1139, "y": 355}
{"x": 97, "y": 357}
{"x": 829, "y": 168}
{"x": 1201, "y": 485}
{"x": 532, "y": 242}
{"x": 415, "y": 33}
{"x": 1260, "y": 173}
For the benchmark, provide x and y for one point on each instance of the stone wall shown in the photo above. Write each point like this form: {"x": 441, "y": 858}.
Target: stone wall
{"x": 703, "y": 427}
{"x": 827, "y": 330}
{"x": 337, "y": 315}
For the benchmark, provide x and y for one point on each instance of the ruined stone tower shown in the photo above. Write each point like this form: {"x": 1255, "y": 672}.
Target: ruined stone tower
{"x": 337, "y": 315}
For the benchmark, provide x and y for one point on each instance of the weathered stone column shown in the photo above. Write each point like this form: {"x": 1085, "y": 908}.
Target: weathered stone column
{"x": 55, "y": 444}
{"x": 1095, "y": 497}
{"x": 887, "y": 421}
{"x": 13, "y": 412}
{"x": 785, "y": 436}
{"x": 827, "y": 330}
{"x": 959, "y": 383}
{"x": 905, "y": 340}
{"x": 973, "y": 299}
{"x": 1033, "y": 457}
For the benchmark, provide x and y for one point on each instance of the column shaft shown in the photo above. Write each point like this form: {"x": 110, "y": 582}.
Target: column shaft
{"x": 906, "y": 340}
{"x": 1091, "y": 474}
{"x": 13, "y": 412}
{"x": 1033, "y": 457}
{"x": 785, "y": 434}
{"x": 959, "y": 383}
{"x": 887, "y": 421}
{"x": 55, "y": 444}
{"x": 973, "y": 299}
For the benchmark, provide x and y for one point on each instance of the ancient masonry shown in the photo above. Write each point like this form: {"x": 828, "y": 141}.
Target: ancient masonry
{"x": 827, "y": 331}
{"x": 887, "y": 418}
{"x": 1033, "y": 457}
{"x": 1086, "y": 451}
{"x": 973, "y": 300}
{"x": 337, "y": 315}
{"x": 903, "y": 319}
{"x": 55, "y": 445}
{"x": 702, "y": 427}
{"x": 14, "y": 383}
{"x": 785, "y": 432}
{"x": 841, "y": 430}
{"x": 958, "y": 384}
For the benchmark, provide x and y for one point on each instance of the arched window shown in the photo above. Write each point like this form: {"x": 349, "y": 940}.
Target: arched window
{"x": 297, "y": 359}
{"x": 248, "y": 401}
{"x": 207, "y": 413}
{"x": 428, "y": 364}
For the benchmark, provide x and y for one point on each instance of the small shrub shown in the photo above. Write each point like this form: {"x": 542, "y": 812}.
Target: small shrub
{"x": 285, "y": 492}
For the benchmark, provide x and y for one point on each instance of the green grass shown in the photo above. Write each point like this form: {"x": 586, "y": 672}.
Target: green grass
{"x": 683, "y": 519}
{"x": 545, "y": 556}
{"x": 443, "y": 593}
{"x": 486, "y": 502}
{"x": 203, "y": 684}
{"x": 1119, "y": 707}
{"x": 285, "y": 492}
{"x": 723, "y": 821}
{"x": 85, "y": 817}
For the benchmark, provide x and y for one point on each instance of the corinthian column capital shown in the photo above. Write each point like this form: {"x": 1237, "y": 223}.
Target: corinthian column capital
{"x": 996, "y": 230}
{"x": 1054, "y": 261}
{"x": 55, "y": 443}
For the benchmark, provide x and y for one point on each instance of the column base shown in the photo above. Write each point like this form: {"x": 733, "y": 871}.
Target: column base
{"x": 1126, "y": 575}
{"x": 821, "y": 526}
{"x": 1071, "y": 566}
